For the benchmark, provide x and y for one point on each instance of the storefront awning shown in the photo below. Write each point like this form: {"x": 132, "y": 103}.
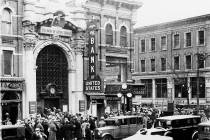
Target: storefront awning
{"x": 96, "y": 95}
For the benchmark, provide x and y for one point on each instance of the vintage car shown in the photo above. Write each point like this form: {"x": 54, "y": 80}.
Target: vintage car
{"x": 119, "y": 127}
{"x": 204, "y": 131}
{"x": 177, "y": 126}
{"x": 12, "y": 132}
{"x": 138, "y": 136}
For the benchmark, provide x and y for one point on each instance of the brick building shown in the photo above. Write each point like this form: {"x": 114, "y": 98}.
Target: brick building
{"x": 165, "y": 59}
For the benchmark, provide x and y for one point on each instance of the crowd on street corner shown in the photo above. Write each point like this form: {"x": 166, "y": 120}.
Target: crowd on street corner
{"x": 53, "y": 124}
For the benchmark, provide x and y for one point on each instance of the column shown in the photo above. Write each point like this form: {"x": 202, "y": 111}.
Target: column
{"x": 78, "y": 94}
{"x": 169, "y": 89}
{"x": 153, "y": 91}
{"x": 29, "y": 72}
{"x": 71, "y": 88}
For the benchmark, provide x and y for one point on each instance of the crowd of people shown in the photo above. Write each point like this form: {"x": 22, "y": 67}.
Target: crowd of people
{"x": 54, "y": 124}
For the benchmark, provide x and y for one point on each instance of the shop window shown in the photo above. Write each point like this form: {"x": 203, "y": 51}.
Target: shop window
{"x": 109, "y": 34}
{"x": 161, "y": 88}
{"x": 123, "y": 36}
{"x": 7, "y": 62}
{"x": 181, "y": 88}
{"x": 193, "y": 84}
{"x": 6, "y": 21}
{"x": 148, "y": 88}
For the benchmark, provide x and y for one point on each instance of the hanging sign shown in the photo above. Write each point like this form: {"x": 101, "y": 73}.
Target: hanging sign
{"x": 93, "y": 85}
{"x": 32, "y": 107}
{"x": 91, "y": 47}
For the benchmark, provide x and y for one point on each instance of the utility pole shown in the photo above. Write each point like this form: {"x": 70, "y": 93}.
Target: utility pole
{"x": 198, "y": 82}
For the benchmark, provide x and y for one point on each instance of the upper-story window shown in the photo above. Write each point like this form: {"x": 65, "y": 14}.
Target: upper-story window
{"x": 163, "y": 64}
{"x": 143, "y": 66}
{"x": 6, "y": 27}
{"x": 143, "y": 45}
{"x": 7, "y": 62}
{"x": 163, "y": 43}
{"x": 188, "y": 39}
{"x": 123, "y": 36}
{"x": 201, "y": 37}
{"x": 176, "y": 41}
{"x": 152, "y": 64}
{"x": 201, "y": 60}
{"x": 152, "y": 44}
{"x": 176, "y": 63}
{"x": 188, "y": 61}
{"x": 109, "y": 34}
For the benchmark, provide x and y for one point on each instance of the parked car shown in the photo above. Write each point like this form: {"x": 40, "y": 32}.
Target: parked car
{"x": 12, "y": 132}
{"x": 119, "y": 127}
{"x": 178, "y": 127}
{"x": 204, "y": 131}
{"x": 138, "y": 136}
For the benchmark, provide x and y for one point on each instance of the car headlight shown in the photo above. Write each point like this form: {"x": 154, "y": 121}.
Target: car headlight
{"x": 99, "y": 132}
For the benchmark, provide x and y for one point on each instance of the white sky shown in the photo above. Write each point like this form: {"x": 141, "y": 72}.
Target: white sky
{"x": 159, "y": 11}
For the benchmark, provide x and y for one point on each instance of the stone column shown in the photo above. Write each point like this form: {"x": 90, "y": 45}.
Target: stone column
{"x": 71, "y": 88}
{"x": 169, "y": 89}
{"x": 189, "y": 89}
{"x": 29, "y": 71}
{"x": 78, "y": 94}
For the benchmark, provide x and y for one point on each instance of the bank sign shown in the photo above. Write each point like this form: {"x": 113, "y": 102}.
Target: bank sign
{"x": 93, "y": 85}
{"x": 91, "y": 47}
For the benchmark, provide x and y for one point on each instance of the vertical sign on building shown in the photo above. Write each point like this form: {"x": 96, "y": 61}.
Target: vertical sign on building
{"x": 91, "y": 46}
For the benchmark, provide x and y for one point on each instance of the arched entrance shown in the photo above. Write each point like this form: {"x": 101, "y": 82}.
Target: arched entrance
{"x": 11, "y": 104}
{"x": 51, "y": 78}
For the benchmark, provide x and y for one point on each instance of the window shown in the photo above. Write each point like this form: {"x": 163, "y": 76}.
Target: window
{"x": 201, "y": 61}
{"x": 201, "y": 37}
{"x": 143, "y": 45}
{"x": 143, "y": 65}
{"x": 152, "y": 64}
{"x": 163, "y": 64}
{"x": 7, "y": 62}
{"x": 123, "y": 37}
{"x": 163, "y": 43}
{"x": 148, "y": 88}
{"x": 152, "y": 44}
{"x": 6, "y": 21}
{"x": 181, "y": 87}
{"x": 176, "y": 41}
{"x": 176, "y": 63}
{"x": 109, "y": 34}
{"x": 188, "y": 62}
{"x": 193, "y": 84}
{"x": 188, "y": 39}
{"x": 161, "y": 85}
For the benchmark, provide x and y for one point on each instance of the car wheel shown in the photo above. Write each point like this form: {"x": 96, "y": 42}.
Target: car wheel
{"x": 107, "y": 137}
{"x": 195, "y": 135}
{"x": 168, "y": 133}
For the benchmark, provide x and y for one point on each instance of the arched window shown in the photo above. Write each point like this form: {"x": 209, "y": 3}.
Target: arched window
{"x": 6, "y": 21}
{"x": 109, "y": 34}
{"x": 123, "y": 36}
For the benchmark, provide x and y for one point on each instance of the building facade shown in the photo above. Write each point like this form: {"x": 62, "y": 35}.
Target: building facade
{"x": 11, "y": 52}
{"x": 114, "y": 20}
{"x": 45, "y": 55}
{"x": 169, "y": 58}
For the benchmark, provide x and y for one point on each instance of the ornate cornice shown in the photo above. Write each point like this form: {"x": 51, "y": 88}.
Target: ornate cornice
{"x": 30, "y": 39}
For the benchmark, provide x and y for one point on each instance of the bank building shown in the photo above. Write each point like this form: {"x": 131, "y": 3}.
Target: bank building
{"x": 44, "y": 61}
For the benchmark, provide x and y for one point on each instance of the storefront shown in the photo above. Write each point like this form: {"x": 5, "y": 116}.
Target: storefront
{"x": 11, "y": 98}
